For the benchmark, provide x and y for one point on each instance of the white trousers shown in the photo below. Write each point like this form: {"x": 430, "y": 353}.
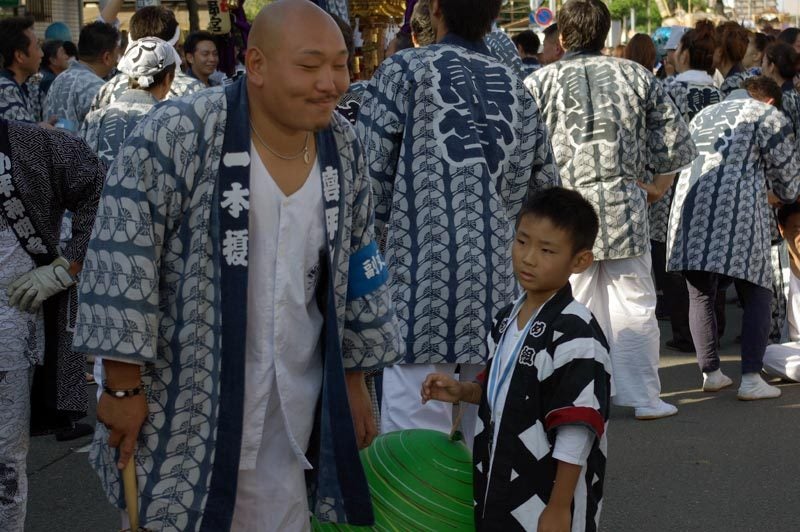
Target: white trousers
{"x": 783, "y": 360}
{"x": 402, "y": 407}
{"x": 272, "y": 497}
{"x": 622, "y": 296}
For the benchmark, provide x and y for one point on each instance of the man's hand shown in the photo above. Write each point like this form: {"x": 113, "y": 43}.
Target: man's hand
{"x": 657, "y": 188}
{"x": 555, "y": 519}
{"x": 30, "y": 290}
{"x": 441, "y": 387}
{"x": 123, "y": 416}
{"x": 360, "y": 408}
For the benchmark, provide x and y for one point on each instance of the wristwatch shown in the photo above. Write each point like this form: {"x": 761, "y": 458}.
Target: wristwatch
{"x": 120, "y": 394}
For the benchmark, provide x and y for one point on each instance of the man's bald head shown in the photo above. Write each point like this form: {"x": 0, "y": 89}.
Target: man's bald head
{"x": 275, "y": 22}
{"x": 296, "y": 65}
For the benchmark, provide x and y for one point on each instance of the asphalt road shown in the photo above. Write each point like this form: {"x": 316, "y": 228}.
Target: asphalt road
{"x": 720, "y": 465}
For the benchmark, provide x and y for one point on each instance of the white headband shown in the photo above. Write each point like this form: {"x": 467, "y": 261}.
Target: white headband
{"x": 145, "y": 58}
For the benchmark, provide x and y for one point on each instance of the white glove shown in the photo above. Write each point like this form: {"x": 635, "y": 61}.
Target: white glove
{"x": 30, "y": 290}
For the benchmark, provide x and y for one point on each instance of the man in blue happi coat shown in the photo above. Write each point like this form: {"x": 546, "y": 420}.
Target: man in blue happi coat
{"x": 235, "y": 291}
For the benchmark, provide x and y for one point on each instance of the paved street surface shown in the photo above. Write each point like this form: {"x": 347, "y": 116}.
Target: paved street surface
{"x": 720, "y": 465}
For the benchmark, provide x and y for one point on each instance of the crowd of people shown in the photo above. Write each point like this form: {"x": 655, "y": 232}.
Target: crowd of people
{"x": 270, "y": 269}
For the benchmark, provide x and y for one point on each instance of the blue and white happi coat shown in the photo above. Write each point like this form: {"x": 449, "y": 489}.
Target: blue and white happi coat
{"x": 106, "y": 129}
{"x": 504, "y": 50}
{"x": 453, "y": 144}
{"x": 114, "y": 88}
{"x": 733, "y": 81}
{"x": 19, "y": 102}
{"x": 165, "y": 284}
{"x": 691, "y": 91}
{"x": 611, "y": 124}
{"x": 720, "y": 219}
{"x": 71, "y": 93}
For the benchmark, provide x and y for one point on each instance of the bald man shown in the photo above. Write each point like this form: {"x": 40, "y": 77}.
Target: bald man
{"x": 248, "y": 296}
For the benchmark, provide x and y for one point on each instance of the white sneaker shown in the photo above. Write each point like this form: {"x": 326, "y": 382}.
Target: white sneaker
{"x": 657, "y": 411}
{"x": 715, "y": 381}
{"x": 753, "y": 388}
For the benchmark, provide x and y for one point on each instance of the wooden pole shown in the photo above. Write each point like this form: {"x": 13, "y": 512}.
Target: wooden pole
{"x": 131, "y": 494}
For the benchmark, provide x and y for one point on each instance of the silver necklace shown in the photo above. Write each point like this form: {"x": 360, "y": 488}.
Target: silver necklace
{"x": 303, "y": 151}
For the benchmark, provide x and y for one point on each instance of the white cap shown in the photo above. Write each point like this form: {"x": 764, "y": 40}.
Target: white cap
{"x": 675, "y": 37}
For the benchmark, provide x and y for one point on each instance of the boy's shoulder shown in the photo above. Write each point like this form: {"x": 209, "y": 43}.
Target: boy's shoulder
{"x": 575, "y": 320}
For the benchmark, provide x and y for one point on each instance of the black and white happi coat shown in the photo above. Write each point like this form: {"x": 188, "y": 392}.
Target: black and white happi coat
{"x": 562, "y": 377}
{"x": 611, "y": 124}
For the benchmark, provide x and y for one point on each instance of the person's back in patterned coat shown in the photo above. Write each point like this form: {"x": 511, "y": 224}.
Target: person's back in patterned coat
{"x": 453, "y": 144}
{"x": 612, "y": 125}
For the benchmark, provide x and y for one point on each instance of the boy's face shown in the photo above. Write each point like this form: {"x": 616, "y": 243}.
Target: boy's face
{"x": 791, "y": 232}
{"x": 543, "y": 257}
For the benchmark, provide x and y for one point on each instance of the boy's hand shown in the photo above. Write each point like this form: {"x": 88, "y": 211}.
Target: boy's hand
{"x": 441, "y": 387}
{"x": 555, "y": 519}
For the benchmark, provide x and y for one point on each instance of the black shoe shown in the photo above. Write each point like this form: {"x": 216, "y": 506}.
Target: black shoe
{"x": 77, "y": 430}
{"x": 683, "y": 347}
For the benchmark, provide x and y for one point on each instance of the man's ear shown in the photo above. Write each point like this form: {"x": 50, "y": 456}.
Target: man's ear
{"x": 780, "y": 230}
{"x": 582, "y": 260}
{"x": 255, "y": 64}
{"x": 19, "y": 57}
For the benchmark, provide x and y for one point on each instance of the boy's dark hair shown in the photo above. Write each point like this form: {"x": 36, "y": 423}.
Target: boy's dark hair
{"x": 193, "y": 39}
{"x": 13, "y": 38}
{"x": 762, "y": 89}
{"x": 528, "y": 41}
{"x": 584, "y": 25}
{"x": 567, "y": 210}
{"x": 153, "y": 21}
{"x": 50, "y": 51}
{"x": 783, "y": 57}
{"x": 96, "y": 39}
{"x": 786, "y": 211}
{"x": 551, "y": 31}
{"x": 470, "y": 19}
{"x": 71, "y": 49}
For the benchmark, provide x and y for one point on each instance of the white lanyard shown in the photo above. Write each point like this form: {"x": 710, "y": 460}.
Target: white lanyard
{"x": 503, "y": 373}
